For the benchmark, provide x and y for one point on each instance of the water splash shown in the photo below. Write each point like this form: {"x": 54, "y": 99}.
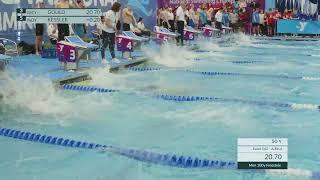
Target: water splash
{"x": 37, "y": 96}
{"x": 171, "y": 56}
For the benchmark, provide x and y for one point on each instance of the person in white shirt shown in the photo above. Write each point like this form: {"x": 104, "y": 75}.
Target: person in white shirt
{"x": 192, "y": 16}
{"x": 218, "y": 18}
{"x": 109, "y": 29}
{"x": 262, "y": 22}
{"x": 234, "y": 18}
{"x": 170, "y": 17}
{"x": 209, "y": 16}
{"x": 180, "y": 17}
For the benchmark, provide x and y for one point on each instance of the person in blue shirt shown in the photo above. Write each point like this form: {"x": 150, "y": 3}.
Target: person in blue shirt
{"x": 255, "y": 22}
{"x": 236, "y": 6}
{"x": 226, "y": 18}
{"x": 203, "y": 16}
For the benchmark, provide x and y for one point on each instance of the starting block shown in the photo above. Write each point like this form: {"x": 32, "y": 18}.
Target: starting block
{"x": 128, "y": 41}
{"x": 74, "y": 49}
{"x": 189, "y": 33}
{"x": 227, "y": 30}
{"x": 163, "y": 34}
{"x": 209, "y": 31}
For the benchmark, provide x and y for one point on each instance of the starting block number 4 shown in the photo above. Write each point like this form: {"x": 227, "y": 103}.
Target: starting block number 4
{"x": 124, "y": 44}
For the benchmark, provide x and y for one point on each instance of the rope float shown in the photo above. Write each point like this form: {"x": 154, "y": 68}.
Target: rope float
{"x": 176, "y": 98}
{"x": 215, "y": 73}
{"x": 144, "y": 156}
{"x": 247, "y": 62}
{"x": 173, "y": 160}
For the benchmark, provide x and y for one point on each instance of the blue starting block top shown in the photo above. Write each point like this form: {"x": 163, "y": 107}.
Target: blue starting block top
{"x": 125, "y": 63}
{"x": 163, "y": 30}
{"x": 191, "y": 29}
{"x": 77, "y": 41}
{"x": 210, "y": 28}
{"x": 133, "y": 36}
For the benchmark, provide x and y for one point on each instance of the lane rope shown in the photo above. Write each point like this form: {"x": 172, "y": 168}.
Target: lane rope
{"x": 216, "y": 73}
{"x": 176, "y": 98}
{"x": 173, "y": 160}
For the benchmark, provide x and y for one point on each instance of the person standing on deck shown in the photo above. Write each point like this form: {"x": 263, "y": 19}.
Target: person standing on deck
{"x": 39, "y": 29}
{"x": 80, "y": 29}
{"x": 180, "y": 17}
{"x": 109, "y": 29}
{"x": 218, "y": 18}
{"x": 63, "y": 29}
{"x": 128, "y": 18}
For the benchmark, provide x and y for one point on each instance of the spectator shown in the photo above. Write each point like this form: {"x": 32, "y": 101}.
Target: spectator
{"x": 39, "y": 29}
{"x": 236, "y": 7}
{"x": 276, "y": 17}
{"x": 218, "y": 18}
{"x": 255, "y": 22}
{"x": 270, "y": 22}
{"x": 226, "y": 18}
{"x": 262, "y": 23}
{"x": 209, "y": 16}
{"x": 192, "y": 18}
{"x": 234, "y": 18}
{"x": 169, "y": 20}
{"x": 109, "y": 32}
{"x": 203, "y": 16}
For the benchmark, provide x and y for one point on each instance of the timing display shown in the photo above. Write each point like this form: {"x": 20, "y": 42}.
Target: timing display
{"x": 59, "y": 12}
{"x": 255, "y": 153}
{"x": 43, "y": 16}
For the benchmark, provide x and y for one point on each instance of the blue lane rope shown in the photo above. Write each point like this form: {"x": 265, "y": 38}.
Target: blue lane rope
{"x": 140, "y": 155}
{"x": 177, "y": 98}
{"x": 143, "y": 69}
{"x": 247, "y": 62}
{"x": 173, "y": 160}
{"x": 88, "y": 88}
{"x": 215, "y": 73}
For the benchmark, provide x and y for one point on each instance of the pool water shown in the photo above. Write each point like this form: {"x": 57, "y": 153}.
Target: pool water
{"x": 131, "y": 118}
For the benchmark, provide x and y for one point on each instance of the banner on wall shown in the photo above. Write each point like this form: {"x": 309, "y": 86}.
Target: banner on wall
{"x": 197, "y": 3}
{"x": 11, "y": 29}
{"x": 298, "y": 27}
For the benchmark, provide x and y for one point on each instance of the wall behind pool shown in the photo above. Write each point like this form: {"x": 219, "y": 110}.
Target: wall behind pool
{"x": 11, "y": 29}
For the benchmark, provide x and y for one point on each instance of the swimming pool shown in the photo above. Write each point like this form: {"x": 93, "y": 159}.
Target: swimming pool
{"x": 133, "y": 118}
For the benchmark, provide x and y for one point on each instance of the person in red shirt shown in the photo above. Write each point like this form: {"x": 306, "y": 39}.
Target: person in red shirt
{"x": 270, "y": 22}
{"x": 286, "y": 14}
{"x": 276, "y": 17}
{"x": 243, "y": 19}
